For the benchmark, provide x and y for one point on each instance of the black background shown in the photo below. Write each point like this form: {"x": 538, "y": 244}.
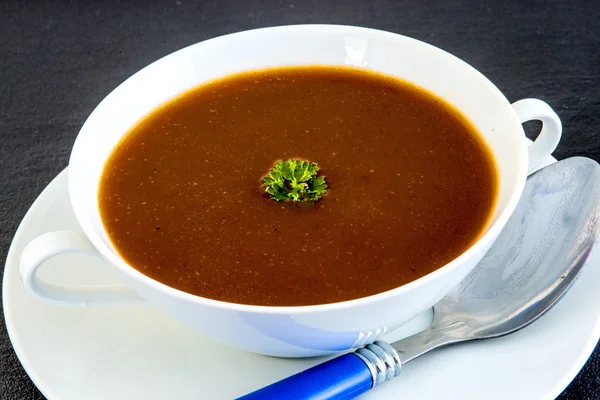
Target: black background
{"x": 59, "y": 59}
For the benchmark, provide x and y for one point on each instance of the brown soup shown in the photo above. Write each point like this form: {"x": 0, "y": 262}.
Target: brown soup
{"x": 411, "y": 185}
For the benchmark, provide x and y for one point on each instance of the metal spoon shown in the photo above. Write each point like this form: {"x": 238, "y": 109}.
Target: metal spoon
{"x": 533, "y": 263}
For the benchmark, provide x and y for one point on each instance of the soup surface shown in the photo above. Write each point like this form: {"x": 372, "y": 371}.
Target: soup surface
{"x": 411, "y": 186}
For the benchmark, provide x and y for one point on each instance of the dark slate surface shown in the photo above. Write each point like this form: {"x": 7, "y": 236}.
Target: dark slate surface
{"x": 59, "y": 59}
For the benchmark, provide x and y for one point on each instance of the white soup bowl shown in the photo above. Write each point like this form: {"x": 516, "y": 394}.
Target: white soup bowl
{"x": 289, "y": 331}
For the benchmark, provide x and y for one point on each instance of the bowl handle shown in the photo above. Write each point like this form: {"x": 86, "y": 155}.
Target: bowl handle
{"x": 547, "y": 140}
{"x": 50, "y": 244}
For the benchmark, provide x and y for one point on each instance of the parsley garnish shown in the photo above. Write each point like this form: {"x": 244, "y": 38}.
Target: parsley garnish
{"x": 295, "y": 180}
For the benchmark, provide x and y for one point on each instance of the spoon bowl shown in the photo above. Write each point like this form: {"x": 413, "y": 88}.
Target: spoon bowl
{"x": 531, "y": 265}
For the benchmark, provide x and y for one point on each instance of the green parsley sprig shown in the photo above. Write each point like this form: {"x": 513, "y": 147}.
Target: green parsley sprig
{"x": 295, "y": 180}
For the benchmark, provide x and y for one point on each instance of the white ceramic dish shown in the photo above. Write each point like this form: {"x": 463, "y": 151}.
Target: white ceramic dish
{"x": 289, "y": 331}
{"x": 137, "y": 351}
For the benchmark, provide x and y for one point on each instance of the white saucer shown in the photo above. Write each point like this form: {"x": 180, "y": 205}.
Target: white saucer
{"x": 138, "y": 352}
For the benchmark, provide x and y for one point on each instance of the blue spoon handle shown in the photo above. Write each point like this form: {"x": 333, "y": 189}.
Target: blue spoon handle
{"x": 341, "y": 378}
{"x": 344, "y": 377}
